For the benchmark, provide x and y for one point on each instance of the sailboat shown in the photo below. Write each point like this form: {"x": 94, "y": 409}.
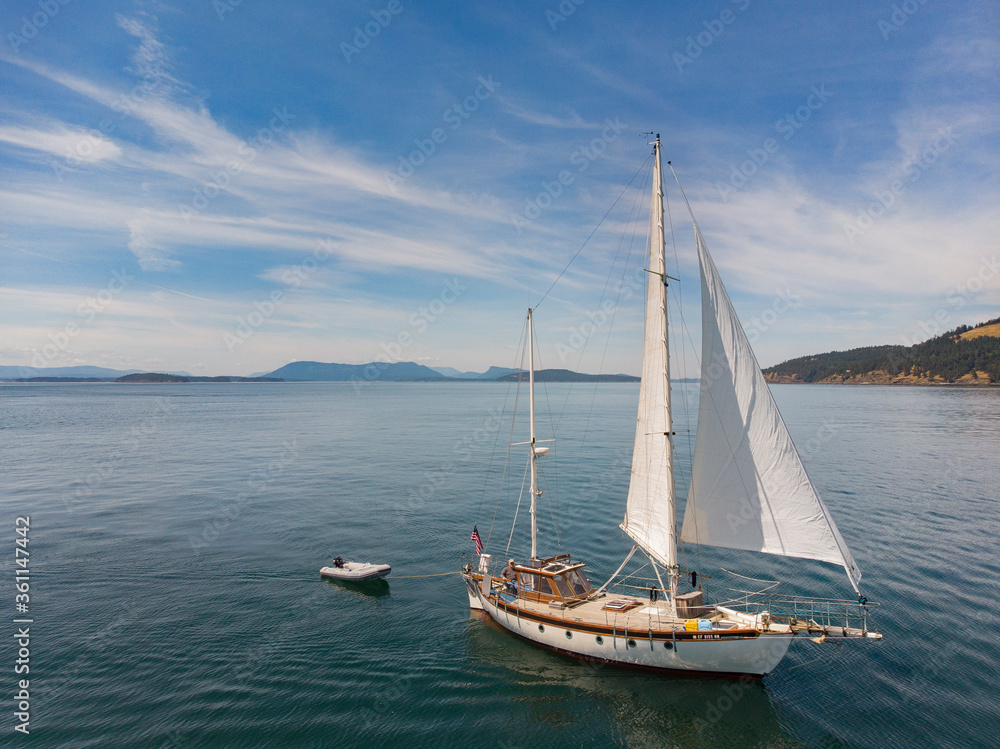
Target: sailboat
{"x": 748, "y": 490}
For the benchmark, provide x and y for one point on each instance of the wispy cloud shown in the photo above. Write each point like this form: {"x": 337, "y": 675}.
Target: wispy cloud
{"x": 60, "y": 140}
{"x": 213, "y": 187}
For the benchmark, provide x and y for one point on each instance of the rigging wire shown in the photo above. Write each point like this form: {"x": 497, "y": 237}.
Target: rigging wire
{"x": 592, "y": 233}
{"x": 604, "y": 292}
{"x": 631, "y": 222}
{"x": 496, "y": 439}
{"x": 687, "y": 410}
{"x": 517, "y": 509}
{"x": 647, "y": 166}
{"x": 552, "y": 517}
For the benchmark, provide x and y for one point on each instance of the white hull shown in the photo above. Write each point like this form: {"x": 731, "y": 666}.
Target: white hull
{"x": 755, "y": 655}
{"x": 474, "y": 603}
{"x": 356, "y": 572}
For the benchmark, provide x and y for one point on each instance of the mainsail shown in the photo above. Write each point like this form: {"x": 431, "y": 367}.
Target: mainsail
{"x": 749, "y": 489}
{"x": 650, "y": 512}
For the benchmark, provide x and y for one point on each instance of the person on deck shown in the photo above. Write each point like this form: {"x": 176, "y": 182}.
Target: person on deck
{"x": 509, "y": 575}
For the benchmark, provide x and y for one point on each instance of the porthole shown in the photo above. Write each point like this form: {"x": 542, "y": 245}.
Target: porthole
{"x": 631, "y": 643}
{"x": 569, "y": 635}
{"x": 541, "y": 627}
{"x": 668, "y": 645}
{"x": 600, "y": 640}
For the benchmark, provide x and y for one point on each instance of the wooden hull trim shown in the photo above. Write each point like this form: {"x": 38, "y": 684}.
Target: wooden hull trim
{"x": 723, "y": 652}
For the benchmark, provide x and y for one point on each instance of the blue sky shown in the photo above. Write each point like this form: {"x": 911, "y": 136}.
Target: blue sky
{"x": 224, "y": 187}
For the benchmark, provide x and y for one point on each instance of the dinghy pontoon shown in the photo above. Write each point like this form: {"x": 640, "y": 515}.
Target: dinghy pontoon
{"x": 356, "y": 572}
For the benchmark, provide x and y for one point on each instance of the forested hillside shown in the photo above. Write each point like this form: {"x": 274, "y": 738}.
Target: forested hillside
{"x": 966, "y": 354}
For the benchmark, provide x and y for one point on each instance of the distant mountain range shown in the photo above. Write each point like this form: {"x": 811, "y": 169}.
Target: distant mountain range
{"x": 490, "y": 374}
{"x": 303, "y": 371}
{"x": 965, "y": 355}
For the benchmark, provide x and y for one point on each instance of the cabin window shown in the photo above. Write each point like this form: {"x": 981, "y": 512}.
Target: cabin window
{"x": 526, "y": 581}
{"x": 600, "y": 640}
{"x": 563, "y": 586}
{"x": 545, "y": 587}
{"x": 581, "y": 585}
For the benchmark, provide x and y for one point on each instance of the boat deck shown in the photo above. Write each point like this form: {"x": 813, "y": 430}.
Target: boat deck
{"x": 621, "y": 614}
{"x": 608, "y": 613}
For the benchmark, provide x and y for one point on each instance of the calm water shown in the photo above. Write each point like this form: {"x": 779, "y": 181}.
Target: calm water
{"x": 177, "y": 531}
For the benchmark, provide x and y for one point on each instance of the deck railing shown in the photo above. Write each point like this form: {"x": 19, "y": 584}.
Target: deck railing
{"x": 816, "y": 613}
{"x": 823, "y": 613}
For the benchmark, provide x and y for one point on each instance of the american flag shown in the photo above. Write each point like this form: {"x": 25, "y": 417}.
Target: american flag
{"x": 475, "y": 537}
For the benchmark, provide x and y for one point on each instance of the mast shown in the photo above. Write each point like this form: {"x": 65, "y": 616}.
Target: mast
{"x": 656, "y": 217}
{"x": 534, "y": 455}
{"x": 651, "y": 509}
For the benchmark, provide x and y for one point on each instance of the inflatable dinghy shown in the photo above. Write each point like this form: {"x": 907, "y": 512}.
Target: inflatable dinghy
{"x": 357, "y": 572}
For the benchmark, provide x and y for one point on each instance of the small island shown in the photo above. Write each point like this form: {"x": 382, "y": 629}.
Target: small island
{"x": 566, "y": 375}
{"x": 161, "y": 377}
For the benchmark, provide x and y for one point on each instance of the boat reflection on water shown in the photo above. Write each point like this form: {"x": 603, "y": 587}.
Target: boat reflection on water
{"x": 367, "y": 589}
{"x": 642, "y": 708}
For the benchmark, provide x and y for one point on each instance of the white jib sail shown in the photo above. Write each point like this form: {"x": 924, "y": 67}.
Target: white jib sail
{"x": 749, "y": 489}
{"x": 650, "y": 512}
